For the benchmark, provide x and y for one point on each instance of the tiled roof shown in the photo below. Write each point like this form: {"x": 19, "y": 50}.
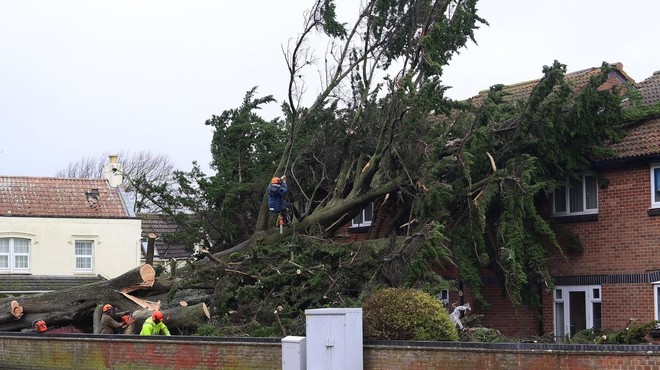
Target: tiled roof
{"x": 579, "y": 79}
{"x": 162, "y": 225}
{"x": 36, "y": 283}
{"x": 641, "y": 140}
{"x": 650, "y": 89}
{"x": 59, "y": 197}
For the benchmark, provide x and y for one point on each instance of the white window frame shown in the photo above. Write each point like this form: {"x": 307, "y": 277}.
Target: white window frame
{"x": 655, "y": 188}
{"x": 567, "y": 206}
{"x": 561, "y": 294}
{"x": 361, "y": 219}
{"x": 89, "y": 257}
{"x": 656, "y": 297}
{"x": 11, "y": 255}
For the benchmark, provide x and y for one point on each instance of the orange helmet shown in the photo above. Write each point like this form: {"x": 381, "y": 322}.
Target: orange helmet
{"x": 39, "y": 326}
{"x": 107, "y": 307}
{"x": 275, "y": 180}
{"x": 157, "y": 315}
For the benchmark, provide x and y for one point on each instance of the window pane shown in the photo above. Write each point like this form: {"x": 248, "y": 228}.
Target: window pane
{"x": 4, "y": 262}
{"x": 4, "y": 245}
{"x": 83, "y": 263}
{"x": 597, "y": 316}
{"x": 369, "y": 212}
{"x": 591, "y": 189}
{"x": 21, "y": 246}
{"x": 575, "y": 195}
{"x": 357, "y": 219}
{"x": 559, "y": 321}
{"x": 21, "y": 262}
{"x": 83, "y": 248}
{"x": 656, "y": 178}
{"x": 560, "y": 199}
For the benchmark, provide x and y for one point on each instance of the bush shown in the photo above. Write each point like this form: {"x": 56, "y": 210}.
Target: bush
{"x": 406, "y": 314}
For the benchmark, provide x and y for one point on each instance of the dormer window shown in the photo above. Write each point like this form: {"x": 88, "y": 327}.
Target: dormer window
{"x": 576, "y": 197}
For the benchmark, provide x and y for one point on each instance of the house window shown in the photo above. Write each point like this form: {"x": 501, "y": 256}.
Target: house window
{"x": 363, "y": 219}
{"x": 576, "y": 308}
{"x": 84, "y": 255}
{"x": 576, "y": 196}
{"x": 655, "y": 186}
{"x": 15, "y": 254}
{"x": 444, "y": 296}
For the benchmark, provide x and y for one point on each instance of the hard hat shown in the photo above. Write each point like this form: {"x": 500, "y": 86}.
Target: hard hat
{"x": 157, "y": 315}
{"x": 107, "y": 307}
{"x": 39, "y": 326}
{"x": 275, "y": 180}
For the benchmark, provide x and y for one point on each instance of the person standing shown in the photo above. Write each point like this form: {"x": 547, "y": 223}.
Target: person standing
{"x": 277, "y": 190}
{"x": 154, "y": 325}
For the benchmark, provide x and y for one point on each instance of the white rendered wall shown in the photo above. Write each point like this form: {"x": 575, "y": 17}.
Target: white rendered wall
{"x": 116, "y": 247}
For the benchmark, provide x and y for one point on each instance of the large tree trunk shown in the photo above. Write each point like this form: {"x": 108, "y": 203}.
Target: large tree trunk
{"x": 76, "y": 306}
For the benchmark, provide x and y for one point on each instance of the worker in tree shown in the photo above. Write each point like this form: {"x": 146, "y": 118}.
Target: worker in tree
{"x": 109, "y": 325}
{"x": 155, "y": 325}
{"x": 277, "y": 203}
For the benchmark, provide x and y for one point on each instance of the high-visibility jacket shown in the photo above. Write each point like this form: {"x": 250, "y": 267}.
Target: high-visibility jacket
{"x": 151, "y": 328}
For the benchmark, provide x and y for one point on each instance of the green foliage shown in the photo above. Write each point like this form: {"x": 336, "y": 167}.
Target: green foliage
{"x": 496, "y": 163}
{"x": 406, "y": 314}
{"x": 207, "y": 330}
{"x": 632, "y": 334}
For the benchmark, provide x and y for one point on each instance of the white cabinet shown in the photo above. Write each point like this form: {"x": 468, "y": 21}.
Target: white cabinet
{"x": 293, "y": 353}
{"x": 334, "y": 339}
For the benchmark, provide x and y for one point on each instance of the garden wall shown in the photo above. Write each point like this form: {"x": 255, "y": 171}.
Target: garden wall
{"x": 76, "y": 351}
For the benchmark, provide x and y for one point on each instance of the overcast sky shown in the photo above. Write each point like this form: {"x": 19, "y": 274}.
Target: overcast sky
{"x": 87, "y": 77}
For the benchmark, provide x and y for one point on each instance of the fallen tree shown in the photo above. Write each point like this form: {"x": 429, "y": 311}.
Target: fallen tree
{"x": 137, "y": 291}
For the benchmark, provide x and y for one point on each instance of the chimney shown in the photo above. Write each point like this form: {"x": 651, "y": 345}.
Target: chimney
{"x": 113, "y": 171}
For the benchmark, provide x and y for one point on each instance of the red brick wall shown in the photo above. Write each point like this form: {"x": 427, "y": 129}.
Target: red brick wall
{"x": 624, "y": 239}
{"x": 112, "y": 352}
{"x": 119, "y": 352}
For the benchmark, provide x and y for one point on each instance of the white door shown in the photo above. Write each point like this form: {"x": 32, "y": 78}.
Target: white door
{"x": 576, "y": 308}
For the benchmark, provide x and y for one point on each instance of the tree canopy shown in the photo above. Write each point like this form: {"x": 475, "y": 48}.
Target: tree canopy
{"x": 468, "y": 178}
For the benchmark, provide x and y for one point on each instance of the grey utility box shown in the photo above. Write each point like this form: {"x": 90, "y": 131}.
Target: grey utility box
{"x": 293, "y": 353}
{"x": 334, "y": 339}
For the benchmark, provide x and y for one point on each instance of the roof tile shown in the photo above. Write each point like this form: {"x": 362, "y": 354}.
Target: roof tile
{"x": 59, "y": 197}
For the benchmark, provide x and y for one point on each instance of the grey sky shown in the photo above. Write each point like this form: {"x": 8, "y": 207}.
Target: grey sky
{"x": 80, "y": 78}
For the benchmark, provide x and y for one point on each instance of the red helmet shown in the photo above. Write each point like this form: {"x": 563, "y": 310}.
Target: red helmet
{"x": 275, "y": 180}
{"x": 107, "y": 307}
{"x": 157, "y": 315}
{"x": 39, "y": 326}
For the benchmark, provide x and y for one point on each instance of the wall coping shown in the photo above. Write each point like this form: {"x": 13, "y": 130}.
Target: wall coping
{"x": 632, "y": 349}
{"x": 647, "y": 349}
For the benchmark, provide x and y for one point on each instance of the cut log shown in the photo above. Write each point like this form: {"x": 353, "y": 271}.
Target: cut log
{"x": 148, "y": 276}
{"x": 179, "y": 319}
{"x": 16, "y": 309}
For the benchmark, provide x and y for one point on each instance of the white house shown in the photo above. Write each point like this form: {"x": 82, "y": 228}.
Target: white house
{"x": 62, "y": 231}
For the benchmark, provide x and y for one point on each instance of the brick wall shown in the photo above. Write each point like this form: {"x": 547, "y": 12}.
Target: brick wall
{"x": 135, "y": 352}
{"x": 21, "y": 351}
{"x": 624, "y": 239}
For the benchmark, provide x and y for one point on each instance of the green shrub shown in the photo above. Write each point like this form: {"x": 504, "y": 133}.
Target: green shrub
{"x": 406, "y": 314}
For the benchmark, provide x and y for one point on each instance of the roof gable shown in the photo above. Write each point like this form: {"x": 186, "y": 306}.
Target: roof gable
{"x": 60, "y": 197}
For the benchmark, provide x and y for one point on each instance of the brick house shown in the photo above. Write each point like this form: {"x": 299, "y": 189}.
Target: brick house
{"x": 616, "y": 276}
{"x": 60, "y": 232}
